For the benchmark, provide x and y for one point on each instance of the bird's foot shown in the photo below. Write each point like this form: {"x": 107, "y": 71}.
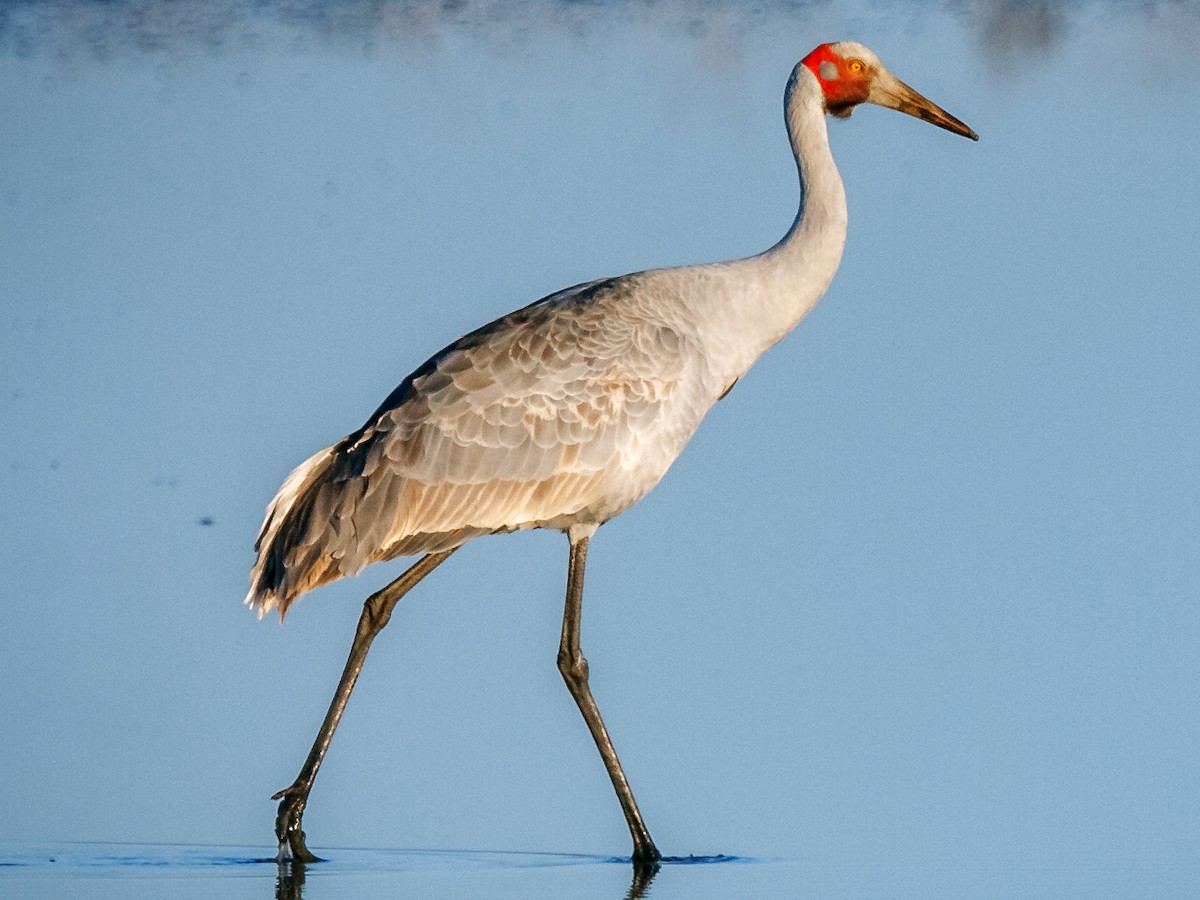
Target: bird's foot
{"x": 644, "y": 851}
{"x": 288, "y": 832}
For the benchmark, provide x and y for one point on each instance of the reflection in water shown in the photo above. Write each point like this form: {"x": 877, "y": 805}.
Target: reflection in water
{"x": 78, "y": 30}
{"x": 289, "y": 881}
{"x": 200, "y": 864}
{"x": 642, "y": 876}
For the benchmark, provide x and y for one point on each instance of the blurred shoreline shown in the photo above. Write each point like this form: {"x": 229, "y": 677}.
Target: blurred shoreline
{"x": 77, "y": 31}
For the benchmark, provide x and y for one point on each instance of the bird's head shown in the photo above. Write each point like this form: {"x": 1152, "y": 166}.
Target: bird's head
{"x": 850, "y": 74}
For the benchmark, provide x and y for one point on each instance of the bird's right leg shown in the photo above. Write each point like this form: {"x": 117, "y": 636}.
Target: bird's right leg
{"x": 377, "y": 610}
{"x": 574, "y": 669}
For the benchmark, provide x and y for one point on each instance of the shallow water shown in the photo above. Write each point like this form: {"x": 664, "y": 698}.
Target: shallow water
{"x": 129, "y": 870}
{"x": 140, "y": 870}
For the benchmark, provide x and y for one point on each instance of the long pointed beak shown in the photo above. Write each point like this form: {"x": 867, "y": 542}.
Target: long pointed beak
{"x": 893, "y": 93}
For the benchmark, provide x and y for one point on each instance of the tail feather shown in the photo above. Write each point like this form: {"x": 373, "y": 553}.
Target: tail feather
{"x": 322, "y": 526}
{"x": 279, "y": 576}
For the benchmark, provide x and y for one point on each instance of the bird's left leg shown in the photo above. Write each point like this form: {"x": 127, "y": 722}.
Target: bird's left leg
{"x": 377, "y": 610}
{"x": 574, "y": 669}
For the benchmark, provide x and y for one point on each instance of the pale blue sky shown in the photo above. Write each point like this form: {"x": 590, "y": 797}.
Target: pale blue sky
{"x": 923, "y": 587}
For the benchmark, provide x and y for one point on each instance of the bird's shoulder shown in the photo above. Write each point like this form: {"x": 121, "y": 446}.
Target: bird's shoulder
{"x": 604, "y": 328}
{"x": 581, "y": 366}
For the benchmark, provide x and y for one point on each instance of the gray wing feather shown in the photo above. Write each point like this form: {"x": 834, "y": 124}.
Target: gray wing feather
{"x": 561, "y": 409}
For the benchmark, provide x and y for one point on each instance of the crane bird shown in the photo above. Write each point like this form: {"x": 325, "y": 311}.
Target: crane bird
{"x": 561, "y": 415}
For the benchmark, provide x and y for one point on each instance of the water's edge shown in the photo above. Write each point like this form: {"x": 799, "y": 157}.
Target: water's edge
{"x": 134, "y": 860}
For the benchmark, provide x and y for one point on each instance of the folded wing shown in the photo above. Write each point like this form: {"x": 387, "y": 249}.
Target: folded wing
{"x": 560, "y": 412}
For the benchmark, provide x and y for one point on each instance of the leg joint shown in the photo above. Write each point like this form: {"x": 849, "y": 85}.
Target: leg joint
{"x": 376, "y": 613}
{"x": 573, "y": 666}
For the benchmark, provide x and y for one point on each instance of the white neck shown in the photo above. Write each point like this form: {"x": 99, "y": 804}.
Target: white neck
{"x": 765, "y": 296}
{"x": 822, "y": 214}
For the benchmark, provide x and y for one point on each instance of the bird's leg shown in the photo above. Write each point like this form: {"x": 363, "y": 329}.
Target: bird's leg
{"x": 574, "y": 670}
{"x": 377, "y": 610}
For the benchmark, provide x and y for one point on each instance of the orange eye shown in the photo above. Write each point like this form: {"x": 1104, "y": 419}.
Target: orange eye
{"x": 856, "y": 66}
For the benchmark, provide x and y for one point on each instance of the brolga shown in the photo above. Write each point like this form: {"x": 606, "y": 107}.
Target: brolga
{"x": 561, "y": 415}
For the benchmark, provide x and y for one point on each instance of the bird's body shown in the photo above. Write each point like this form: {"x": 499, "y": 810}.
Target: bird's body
{"x": 562, "y": 414}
